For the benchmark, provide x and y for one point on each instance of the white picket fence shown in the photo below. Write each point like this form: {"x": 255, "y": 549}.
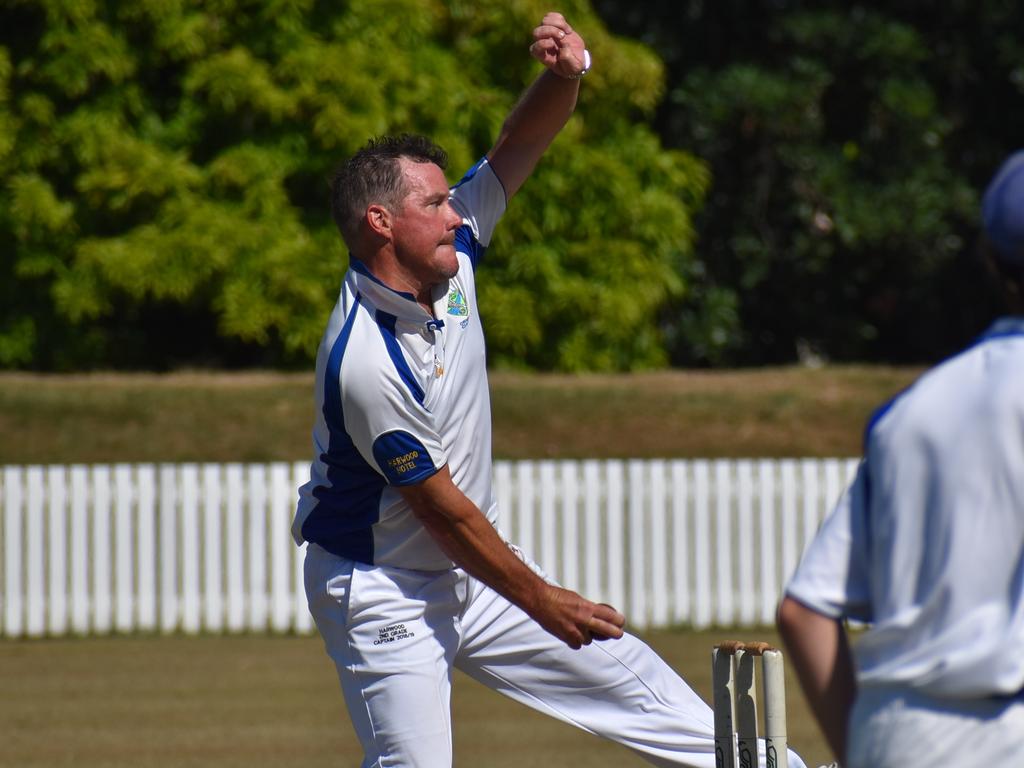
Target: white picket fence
{"x": 206, "y": 547}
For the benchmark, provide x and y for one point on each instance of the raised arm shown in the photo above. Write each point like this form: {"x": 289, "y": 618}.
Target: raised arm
{"x": 545, "y": 106}
{"x": 466, "y": 536}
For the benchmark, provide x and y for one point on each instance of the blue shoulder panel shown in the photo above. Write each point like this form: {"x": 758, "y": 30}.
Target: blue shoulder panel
{"x": 402, "y": 458}
{"x": 466, "y": 243}
{"x": 471, "y": 173}
{"x": 876, "y": 417}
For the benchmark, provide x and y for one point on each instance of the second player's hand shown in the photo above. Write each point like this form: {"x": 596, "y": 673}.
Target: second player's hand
{"x": 558, "y": 46}
{"x": 575, "y": 620}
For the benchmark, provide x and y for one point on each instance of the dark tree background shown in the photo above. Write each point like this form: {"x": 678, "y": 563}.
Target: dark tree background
{"x": 849, "y": 144}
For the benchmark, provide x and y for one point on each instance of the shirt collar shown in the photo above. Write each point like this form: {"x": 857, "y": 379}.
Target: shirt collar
{"x": 401, "y": 304}
{"x": 1011, "y": 325}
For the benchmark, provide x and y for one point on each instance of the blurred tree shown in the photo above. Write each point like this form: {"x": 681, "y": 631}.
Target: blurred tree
{"x": 164, "y": 167}
{"x": 848, "y": 142}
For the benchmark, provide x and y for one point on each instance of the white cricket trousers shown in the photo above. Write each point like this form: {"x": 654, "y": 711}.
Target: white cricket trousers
{"x": 396, "y": 634}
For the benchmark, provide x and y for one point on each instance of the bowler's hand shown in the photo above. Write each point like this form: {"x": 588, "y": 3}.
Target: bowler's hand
{"x": 557, "y": 46}
{"x": 575, "y": 620}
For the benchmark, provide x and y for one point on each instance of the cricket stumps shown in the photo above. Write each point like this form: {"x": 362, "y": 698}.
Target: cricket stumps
{"x": 735, "y": 704}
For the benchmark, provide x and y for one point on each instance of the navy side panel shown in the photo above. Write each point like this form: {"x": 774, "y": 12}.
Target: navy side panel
{"x": 349, "y": 505}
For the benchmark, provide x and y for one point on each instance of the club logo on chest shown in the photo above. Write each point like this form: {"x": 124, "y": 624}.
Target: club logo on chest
{"x": 457, "y": 305}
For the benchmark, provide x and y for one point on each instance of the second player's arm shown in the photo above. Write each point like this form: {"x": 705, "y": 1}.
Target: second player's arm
{"x": 820, "y": 653}
{"x": 469, "y": 539}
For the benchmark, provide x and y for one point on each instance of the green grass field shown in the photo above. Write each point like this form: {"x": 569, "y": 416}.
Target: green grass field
{"x": 269, "y": 416}
{"x": 226, "y": 702}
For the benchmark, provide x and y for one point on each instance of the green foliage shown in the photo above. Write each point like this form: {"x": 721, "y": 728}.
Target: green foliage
{"x": 853, "y": 198}
{"x": 163, "y": 164}
{"x": 597, "y": 240}
{"x": 848, "y": 144}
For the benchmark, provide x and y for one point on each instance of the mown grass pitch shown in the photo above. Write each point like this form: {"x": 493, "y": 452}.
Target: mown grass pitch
{"x": 254, "y": 701}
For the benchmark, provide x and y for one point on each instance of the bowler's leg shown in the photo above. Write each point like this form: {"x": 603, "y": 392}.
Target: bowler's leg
{"x": 619, "y": 689}
{"x": 392, "y": 636}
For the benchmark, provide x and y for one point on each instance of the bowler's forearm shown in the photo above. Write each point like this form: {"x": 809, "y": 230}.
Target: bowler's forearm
{"x": 466, "y": 536}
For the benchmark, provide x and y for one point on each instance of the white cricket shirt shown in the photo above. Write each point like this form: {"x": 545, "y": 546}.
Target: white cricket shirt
{"x": 401, "y": 393}
{"x": 928, "y": 542}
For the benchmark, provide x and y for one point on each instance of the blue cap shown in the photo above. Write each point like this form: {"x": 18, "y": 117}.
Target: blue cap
{"x": 1002, "y": 209}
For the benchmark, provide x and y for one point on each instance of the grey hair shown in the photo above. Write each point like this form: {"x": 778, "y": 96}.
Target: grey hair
{"x": 373, "y": 175}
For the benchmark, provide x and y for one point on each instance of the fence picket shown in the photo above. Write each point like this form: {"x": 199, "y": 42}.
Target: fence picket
{"x": 281, "y": 504}
{"x": 124, "y": 587}
{"x": 213, "y": 559}
{"x": 102, "y": 602}
{"x": 592, "y": 529}
{"x": 257, "y": 548}
{"x": 789, "y": 514}
{"x": 725, "y": 613}
{"x": 659, "y": 588}
{"x": 145, "y": 561}
{"x": 14, "y": 599}
{"x": 769, "y": 543}
{"x": 680, "y": 542}
{"x": 169, "y": 590}
{"x": 35, "y": 578}
{"x": 637, "y": 525}
{"x": 548, "y": 559}
{"x": 570, "y": 574}
{"x": 57, "y": 546}
{"x": 522, "y": 531}
{"x": 81, "y": 599}
{"x": 234, "y": 499}
{"x": 303, "y": 618}
{"x": 503, "y": 495}
{"x": 614, "y": 536}
{"x": 702, "y": 545}
{"x": 191, "y": 603}
{"x": 745, "y": 535}
{"x": 810, "y": 494}
{"x": 207, "y": 547}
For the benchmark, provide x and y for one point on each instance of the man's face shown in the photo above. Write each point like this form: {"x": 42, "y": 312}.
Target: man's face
{"x": 424, "y": 226}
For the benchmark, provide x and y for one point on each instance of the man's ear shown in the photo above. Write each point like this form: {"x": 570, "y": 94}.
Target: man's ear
{"x": 378, "y": 219}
